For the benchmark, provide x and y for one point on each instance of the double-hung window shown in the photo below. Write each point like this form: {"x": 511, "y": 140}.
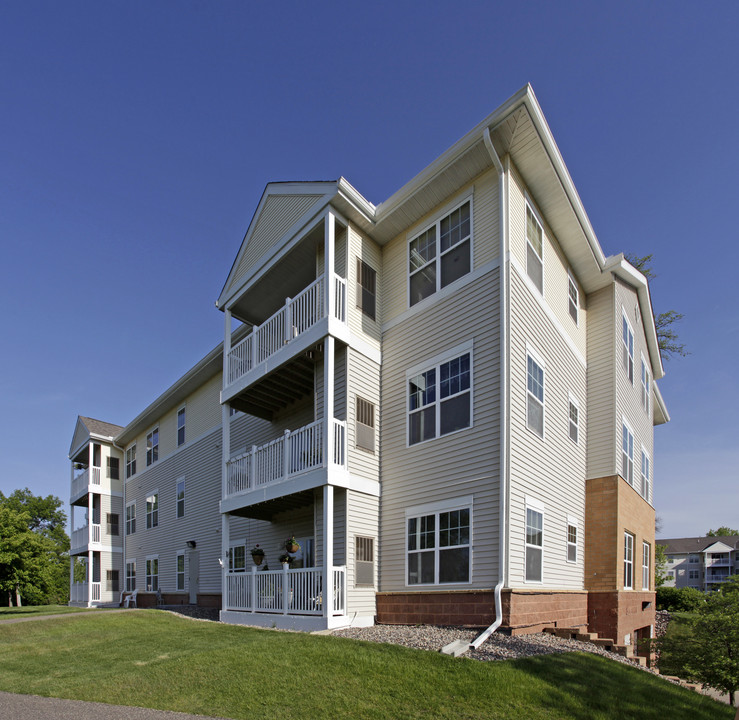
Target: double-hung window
{"x": 112, "y": 523}
{"x": 646, "y": 385}
{"x": 439, "y": 542}
{"x": 534, "y": 543}
{"x": 113, "y": 468}
{"x": 152, "y": 510}
{"x": 535, "y": 395}
{"x": 646, "y": 552}
{"x": 131, "y": 518}
{"x": 180, "y": 574}
{"x": 573, "y": 297}
{"x": 627, "y": 454}
{"x": 152, "y": 447}
{"x": 571, "y": 540}
{"x": 180, "y": 427}
{"x": 130, "y": 575}
{"x": 364, "y": 429}
{"x": 152, "y": 573}
{"x": 534, "y": 249}
{"x": 440, "y": 254}
{"x": 574, "y": 420}
{"x": 180, "y": 498}
{"x": 366, "y": 289}
{"x": 131, "y": 461}
{"x": 645, "y": 474}
{"x": 440, "y": 399}
{"x": 237, "y": 558}
{"x": 628, "y": 561}
{"x": 627, "y": 347}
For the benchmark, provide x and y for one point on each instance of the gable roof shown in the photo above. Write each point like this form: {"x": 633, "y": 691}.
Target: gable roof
{"x": 88, "y": 429}
{"x": 698, "y": 544}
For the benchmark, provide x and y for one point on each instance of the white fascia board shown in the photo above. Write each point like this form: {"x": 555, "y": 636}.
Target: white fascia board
{"x": 659, "y": 407}
{"x": 353, "y": 196}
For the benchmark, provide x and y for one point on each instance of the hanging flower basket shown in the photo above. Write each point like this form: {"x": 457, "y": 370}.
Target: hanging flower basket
{"x": 257, "y": 554}
{"x": 292, "y": 545}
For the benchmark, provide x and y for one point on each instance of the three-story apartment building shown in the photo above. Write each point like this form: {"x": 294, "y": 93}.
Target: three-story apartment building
{"x": 448, "y": 399}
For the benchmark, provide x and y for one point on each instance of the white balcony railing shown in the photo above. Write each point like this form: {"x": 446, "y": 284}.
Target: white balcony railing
{"x": 85, "y": 479}
{"x": 288, "y": 592}
{"x": 80, "y": 592}
{"x": 296, "y": 452}
{"x": 296, "y": 316}
{"x": 85, "y": 535}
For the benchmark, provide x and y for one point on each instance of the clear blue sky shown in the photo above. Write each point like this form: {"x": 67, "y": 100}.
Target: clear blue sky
{"x": 136, "y": 139}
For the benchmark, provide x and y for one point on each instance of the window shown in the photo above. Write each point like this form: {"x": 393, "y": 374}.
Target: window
{"x": 571, "y": 541}
{"x": 237, "y": 558}
{"x": 694, "y": 559}
{"x": 646, "y": 385}
{"x": 364, "y": 558}
{"x": 646, "y": 552}
{"x": 627, "y": 454}
{"x": 180, "y": 571}
{"x": 441, "y": 254}
{"x": 364, "y": 431}
{"x": 152, "y": 447}
{"x": 628, "y": 561}
{"x": 573, "y": 295}
{"x": 130, "y": 575}
{"x": 131, "y": 518}
{"x": 438, "y": 545}
{"x": 152, "y": 510}
{"x": 152, "y": 573}
{"x": 627, "y": 338}
{"x": 534, "y": 544}
{"x": 694, "y": 574}
{"x": 180, "y": 498}
{"x": 440, "y": 400}
{"x": 131, "y": 461}
{"x": 112, "y": 581}
{"x": 535, "y": 395}
{"x": 112, "y": 523}
{"x": 180, "y": 427}
{"x": 574, "y": 420}
{"x": 113, "y": 464}
{"x": 366, "y": 289}
{"x": 534, "y": 248}
{"x": 645, "y": 474}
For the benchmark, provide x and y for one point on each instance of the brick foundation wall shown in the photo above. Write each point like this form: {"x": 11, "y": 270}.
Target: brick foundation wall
{"x": 530, "y": 611}
{"x": 618, "y": 614}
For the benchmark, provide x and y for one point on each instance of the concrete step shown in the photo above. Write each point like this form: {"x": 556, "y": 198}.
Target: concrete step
{"x": 586, "y": 636}
{"x": 605, "y": 643}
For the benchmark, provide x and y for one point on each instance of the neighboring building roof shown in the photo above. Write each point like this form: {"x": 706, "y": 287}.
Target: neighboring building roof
{"x": 696, "y": 544}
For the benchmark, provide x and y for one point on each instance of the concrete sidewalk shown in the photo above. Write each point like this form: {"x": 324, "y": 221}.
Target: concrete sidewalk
{"x": 33, "y": 707}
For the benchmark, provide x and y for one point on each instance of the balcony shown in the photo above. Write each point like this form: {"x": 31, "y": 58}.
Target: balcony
{"x": 289, "y": 326}
{"x": 79, "y": 592}
{"x": 84, "y": 536}
{"x": 90, "y": 476}
{"x": 285, "y": 592}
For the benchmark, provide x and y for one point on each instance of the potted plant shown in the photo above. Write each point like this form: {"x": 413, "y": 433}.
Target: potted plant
{"x": 257, "y": 554}
{"x": 292, "y": 545}
{"x": 285, "y": 559}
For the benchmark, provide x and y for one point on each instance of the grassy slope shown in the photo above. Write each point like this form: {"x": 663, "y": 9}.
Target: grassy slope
{"x": 7, "y": 613}
{"x": 152, "y": 659}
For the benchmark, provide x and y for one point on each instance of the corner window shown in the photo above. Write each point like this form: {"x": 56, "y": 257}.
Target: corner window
{"x": 571, "y": 541}
{"x": 574, "y": 420}
{"x": 573, "y": 297}
{"x": 131, "y": 518}
{"x": 364, "y": 560}
{"x": 645, "y": 474}
{"x": 152, "y": 510}
{"x": 364, "y": 431}
{"x": 627, "y": 349}
{"x": 152, "y": 573}
{"x": 535, "y": 395}
{"x": 131, "y": 461}
{"x": 180, "y": 571}
{"x": 366, "y": 289}
{"x": 441, "y": 254}
{"x": 440, "y": 399}
{"x": 534, "y": 544}
{"x": 646, "y": 386}
{"x": 628, "y": 561}
{"x": 534, "y": 249}
{"x": 130, "y": 575}
{"x": 438, "y": 546}
{"x": 646, "y": 553}
{"x": 180, "y": 427}
{"x": 627, "y": 454}
{"x": 180, "y": 498}
{"x": 152, "y": 447}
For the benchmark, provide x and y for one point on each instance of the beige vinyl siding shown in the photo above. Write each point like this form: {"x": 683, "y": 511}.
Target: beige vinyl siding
{"x": 485, "y": 240}
{"x": 111, "y": 561}
{"x": 247, "y": 430}
{"x": 204, "y": 408}
{"x": 81, "y": 434}
{"x": 107, "y": 484}
{"x": 366, "y": 250}
{"x": 460, "y": 464}
{"x": 111, "y": 504}
{"x": 363, "y": 520}
{"x": 364, "y": 380}
{"x": 603, "y": 362}
{"x": 550, "y": 470}
{"x": 555, "y": 278}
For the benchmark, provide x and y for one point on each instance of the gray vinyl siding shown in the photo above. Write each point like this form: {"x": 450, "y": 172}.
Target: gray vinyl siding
{"x": 366, "y": 250}
{"x": 550, "y": 469}
{"x": 364, "y": 380}
{"x": 457, "y": 465}
{"x": 603, "y": 363}
{"x": 363, "y": 520}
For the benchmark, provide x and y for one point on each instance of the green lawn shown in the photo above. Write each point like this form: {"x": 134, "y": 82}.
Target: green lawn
{"x": 9, "y": 612}
{"x": 153, "y": 659}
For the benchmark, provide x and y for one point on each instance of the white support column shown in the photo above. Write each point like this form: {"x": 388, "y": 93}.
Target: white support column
{"x": 89, "y": 577}
{"x": 225, "y": 547}
{"x": 226, "y": 446}
{"x": 71, "y": 557}
{"x": 329, "y": 261}
{"x": 226, "y": 347}
{"x": 328, "y": 550}
{"x": 328, "y": 401}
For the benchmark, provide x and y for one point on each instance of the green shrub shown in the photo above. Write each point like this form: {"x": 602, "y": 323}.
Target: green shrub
{"x": 685, "y": 599}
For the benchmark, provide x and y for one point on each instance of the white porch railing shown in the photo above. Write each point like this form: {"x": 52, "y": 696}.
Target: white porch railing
{"x": 288, "y": 592}
{"x": 85, "y": 535}
{"x": 80, "y": 592}
{"x": 85, "y": 478}
{"x": 296, "y": 452}
{"x": 292, "y": 320}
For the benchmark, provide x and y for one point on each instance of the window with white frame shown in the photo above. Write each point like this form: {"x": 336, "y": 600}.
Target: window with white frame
{"x": 440, "y": 399}
{"x": 439, "y": 542}
{"x": 180, "y": 574}
{"x": 645, "y": 474}
{"x": 646, "y": 385}
{"x": 237, "y": 558}
{"x": 364, "y": 429}
{"x": 152, "y": 510}
{"x": 627, "y": 347}
{"x": 694, "y": 575}
{"x": 535, "y": 394}
{"x": 131, "y": 461}
{"x": 628, "y": 561}
{"x": 131, "y": 518}
{"x": 130, "y": 575}
{"x": 180, "y": 498}
{"x": 627, "y": 453}
{"x": 181, "y": 416}
{"x": 152, "y": 573}
{"x": 364, "y": 561}
{"x": 571, "y": 540}
{"x": 366, "y": 288}
{"x": 112, "y": 581}
{"x": 152, "y": 447}
{"x": 573, "y": 297}
{"x": 694, "y": 559}
{"x": 534, "y": 249}
{"x": 574, "y": 420}
{"x": 440, "y": 254}
{"x": 113, "y": 464}
{"x": 646, "y": 554}
{"x": 534, "y": 542}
